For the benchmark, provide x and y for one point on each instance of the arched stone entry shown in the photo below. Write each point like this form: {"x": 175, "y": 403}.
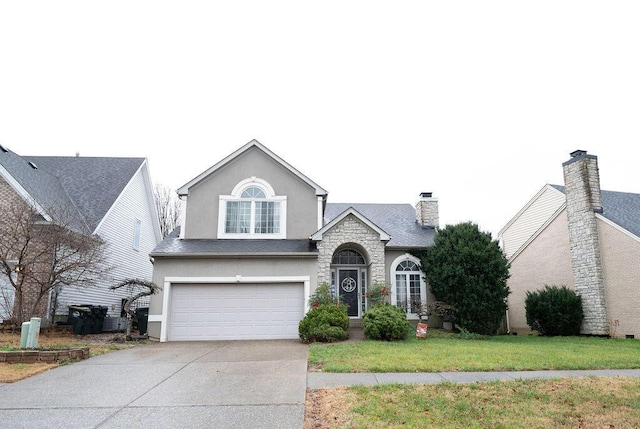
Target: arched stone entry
{"x": 351, "y": 232}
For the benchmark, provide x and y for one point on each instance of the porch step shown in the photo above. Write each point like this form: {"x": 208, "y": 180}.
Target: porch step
{"x": 355, "y": 323}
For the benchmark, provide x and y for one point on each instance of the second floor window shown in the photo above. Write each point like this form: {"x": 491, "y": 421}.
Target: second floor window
{"x": 255, "y": 212}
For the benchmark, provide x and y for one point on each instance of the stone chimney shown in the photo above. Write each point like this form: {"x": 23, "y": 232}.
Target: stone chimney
{"x": 584, "y": 200}
{"x": 427, "y": 211}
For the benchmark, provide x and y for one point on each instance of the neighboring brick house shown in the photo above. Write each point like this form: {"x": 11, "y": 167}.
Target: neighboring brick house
{"x": 109, "y": 197}
{"x": 258, "y": 237}
{"x": 579, "y": 236}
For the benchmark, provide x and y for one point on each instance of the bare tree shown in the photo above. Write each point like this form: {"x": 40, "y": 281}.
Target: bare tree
{"x": 41, "y": 254}
{"x": 168, "y": 206}
{"x": 145, "y": 288}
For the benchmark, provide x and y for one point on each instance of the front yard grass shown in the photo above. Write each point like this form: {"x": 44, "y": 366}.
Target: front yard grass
{"x": 592, "y": 402}
{"x": 441, "y": 352}
{"x": 595, "y": 402}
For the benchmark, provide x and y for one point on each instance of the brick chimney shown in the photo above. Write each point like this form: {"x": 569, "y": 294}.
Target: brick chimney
{"x": 427, "y": 211}
{"x": 584, "y": 200}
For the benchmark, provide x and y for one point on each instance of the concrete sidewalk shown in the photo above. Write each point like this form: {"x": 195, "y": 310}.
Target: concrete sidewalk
{"x": 320, "y": 380}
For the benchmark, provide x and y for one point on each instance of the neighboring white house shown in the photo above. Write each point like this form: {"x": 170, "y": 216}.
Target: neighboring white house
{"x": 114, "y": 198}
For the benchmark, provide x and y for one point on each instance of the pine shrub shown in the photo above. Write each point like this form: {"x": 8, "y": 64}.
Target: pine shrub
{"x": 325, "y": 323}
{"x": 554, "y": 310}
{"x": 385, "y": 322}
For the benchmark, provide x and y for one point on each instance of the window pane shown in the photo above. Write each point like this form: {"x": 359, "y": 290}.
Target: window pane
{"x": 348, "y": 257}
{"x": 267, "y": 219}
{"x": 253, "y": 192}
{"x": 238, "y": 217}
{"x": 414, "y": 291}
{"x": 401, "y": 291}
{"x": 407, "y": 266}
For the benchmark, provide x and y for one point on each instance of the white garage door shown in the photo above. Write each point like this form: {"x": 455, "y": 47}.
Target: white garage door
{"x": 235, "y": 311}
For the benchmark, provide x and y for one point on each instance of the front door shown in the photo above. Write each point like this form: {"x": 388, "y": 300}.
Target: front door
{"x": 348, "y": 290}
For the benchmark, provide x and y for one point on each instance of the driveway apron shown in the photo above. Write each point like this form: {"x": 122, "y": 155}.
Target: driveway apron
{"x": 227, "y": 384}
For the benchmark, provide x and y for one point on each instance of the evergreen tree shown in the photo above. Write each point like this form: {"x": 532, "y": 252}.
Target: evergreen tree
{"x": 466, "y": 269}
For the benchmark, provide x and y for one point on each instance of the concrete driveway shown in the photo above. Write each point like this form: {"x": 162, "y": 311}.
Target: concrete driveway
{"x": 229, "y": 384}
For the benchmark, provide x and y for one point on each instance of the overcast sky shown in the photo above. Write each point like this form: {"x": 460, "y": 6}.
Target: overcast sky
{"x": 479, "y": 102}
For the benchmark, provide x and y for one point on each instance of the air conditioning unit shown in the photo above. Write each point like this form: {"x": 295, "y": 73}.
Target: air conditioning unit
{"x": 112, "y": 324}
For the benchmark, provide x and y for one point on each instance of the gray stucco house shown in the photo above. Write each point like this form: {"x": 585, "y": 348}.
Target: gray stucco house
{"x": 258, "y": 237}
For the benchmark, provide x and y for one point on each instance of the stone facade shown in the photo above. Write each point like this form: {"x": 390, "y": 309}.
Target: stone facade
{"x": 427, "y": 210}
{"x": 351, "y": 230}
{"x": 582, "y": 184}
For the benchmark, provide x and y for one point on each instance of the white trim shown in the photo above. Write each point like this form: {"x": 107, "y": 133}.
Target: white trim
{"x": 392, "y": 276}
{"x": 183, "y": 217}
{"x": 169, "y": 281}
{"x": 529, "y": 204}
{"x": 618, "y": 227}
{"x": 270, "y": 196}
{"x": 350, "y": 211}
{"x": 184, "y": 190}
{"x": 320, "y": 214}
{"x": 23, "y": 193}
{"x": 222, "y": 216}
{"x": 253, "y": 181}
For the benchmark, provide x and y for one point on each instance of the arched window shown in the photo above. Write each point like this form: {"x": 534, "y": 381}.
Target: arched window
{"x": 409, "y": 289}
{"x": 252, "y": 211}
{"x": 348, "y": 257}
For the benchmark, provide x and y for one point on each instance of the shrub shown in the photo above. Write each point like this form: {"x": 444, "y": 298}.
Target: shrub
{"x": 554, "y": 310}
{"x": 322, "y": 296}
{"x": 325, "y": 323}
{"x": 378, "y": 293}
{"x": 385, "y": 322}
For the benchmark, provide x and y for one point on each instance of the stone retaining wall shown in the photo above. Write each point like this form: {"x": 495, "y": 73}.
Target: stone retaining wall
{"x": 50, "y": 356}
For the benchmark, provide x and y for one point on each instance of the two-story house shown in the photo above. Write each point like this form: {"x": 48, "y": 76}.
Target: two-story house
{"x": 109, "y": 197}
{"x": 258, "y": 237}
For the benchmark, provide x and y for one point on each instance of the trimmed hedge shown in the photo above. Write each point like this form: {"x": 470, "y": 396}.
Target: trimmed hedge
{"x": 325, "y": 323}
{"x": 385, "y": 322}
{"x": 554, "y": 310}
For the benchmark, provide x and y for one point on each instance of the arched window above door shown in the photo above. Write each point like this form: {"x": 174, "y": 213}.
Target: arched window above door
{"x": 348, "y": 257}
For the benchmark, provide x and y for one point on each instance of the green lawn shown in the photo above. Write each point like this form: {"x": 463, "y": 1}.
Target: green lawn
{"x": 595, "y": 402}
{"x": 450, "y": 352}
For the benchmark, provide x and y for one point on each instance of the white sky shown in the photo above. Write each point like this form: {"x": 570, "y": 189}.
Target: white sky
{"x": 479, "y": 102}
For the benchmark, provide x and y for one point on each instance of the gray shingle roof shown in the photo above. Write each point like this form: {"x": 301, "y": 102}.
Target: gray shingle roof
{"x": 43, "y": 187}
{"x": 397, "y": 220}
{"x": 621, "y": 208}
{"x": 172, "y": 245}
{"x": 93, "y": 184}
{"x": 90, "y": 185}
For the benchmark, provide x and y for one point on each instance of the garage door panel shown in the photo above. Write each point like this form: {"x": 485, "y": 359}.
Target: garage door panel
{"x": 235, "y": 311}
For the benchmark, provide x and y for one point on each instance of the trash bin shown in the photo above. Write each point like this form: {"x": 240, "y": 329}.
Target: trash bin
{"x": 98, "y": 313}
{"x": 87, "y": 318}
{"x": 142, "y": 314}
{"x": 80, "y": 319}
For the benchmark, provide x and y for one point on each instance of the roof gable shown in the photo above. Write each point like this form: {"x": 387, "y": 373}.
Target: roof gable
{"x": 88, "y": 185}
{"x": 397, "y": 220}
{"x": 350, "y": 211}
{"x": 37, "y": 186}
{"x": 184, "y": 190}
{"x": 620, "y": 208}
{"x": 93, "y": 183}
